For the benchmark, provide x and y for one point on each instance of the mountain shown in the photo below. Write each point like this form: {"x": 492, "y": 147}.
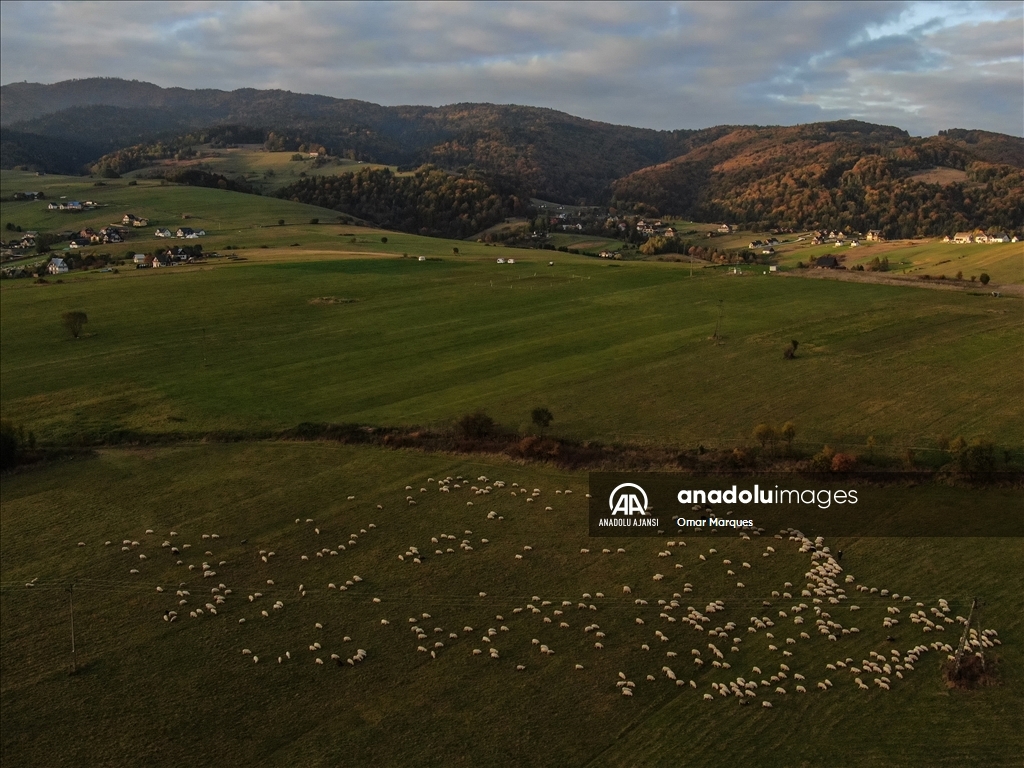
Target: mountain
{"x": 832, "y": 174}
{"x": 841, "y": 174}
{"x": 535, "y": 151}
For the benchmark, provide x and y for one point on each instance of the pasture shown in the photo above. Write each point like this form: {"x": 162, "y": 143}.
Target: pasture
{"x": 618, "y": 353}
{"x": 266, "y": 171}
{"x": 171, "y": 688}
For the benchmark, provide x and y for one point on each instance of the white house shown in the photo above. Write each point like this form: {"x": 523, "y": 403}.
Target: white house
{"x": 139, "y": 258}
{"x": 962, "y": 237}
{"x": 162, "y": 233}
{"x": 57, "y": 266}
{"x": 998, "y": 237}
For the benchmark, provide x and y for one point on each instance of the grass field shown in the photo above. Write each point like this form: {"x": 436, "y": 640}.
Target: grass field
{"x": 267, "y": 171}
{"x": 617, "y": 353}
{"x": 169, "y": 693}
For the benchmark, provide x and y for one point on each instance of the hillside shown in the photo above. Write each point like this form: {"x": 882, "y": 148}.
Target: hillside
{"x": 838, "y": 175}
{"x": 542, "y": 152}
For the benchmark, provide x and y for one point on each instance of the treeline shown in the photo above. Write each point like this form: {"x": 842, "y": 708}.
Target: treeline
{"x": 195, "y": 177}
{"x": 427, "y": 202}
{"x": 783, "y": 179}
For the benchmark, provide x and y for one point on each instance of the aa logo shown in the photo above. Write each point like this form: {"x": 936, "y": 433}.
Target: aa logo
{"x": 629, "y": 499}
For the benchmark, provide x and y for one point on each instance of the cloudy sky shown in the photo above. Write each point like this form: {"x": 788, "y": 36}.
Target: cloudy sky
{"x": 919, "y": 65}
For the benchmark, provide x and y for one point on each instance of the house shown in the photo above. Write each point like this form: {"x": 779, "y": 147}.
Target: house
{"x": 754, "y": 244}
{"x": 161, "y": 261}
{"x": 670, "y": 232}
{"x": 422, "y": 258}
{"x": 53, "y": 206}
{"x": 947, "y": 239}
{"x": 998, "y": 237}
{"x": 773, "y": 268}
{"x": 57, "y": 266}
{"x": 826, "y": 262}
{"x": 162, "y": 233}
{"x": 875, "y": 236}
{"x": 1014, "y": 239}
{"x": 725, "y": 229}
{"x": 963, "y": 237}
{"x": 184, "y": 232}
{"x": 768, "y": 251}
{"x": 73, "y": 205}
{"x": 139, "y": 258}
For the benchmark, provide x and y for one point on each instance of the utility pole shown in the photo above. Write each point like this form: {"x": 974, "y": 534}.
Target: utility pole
{"x": 963, "y": 638}
{"x": 204, "y": 347}
{"x": 718, "y": 325}
{"x": 71, "y": 603}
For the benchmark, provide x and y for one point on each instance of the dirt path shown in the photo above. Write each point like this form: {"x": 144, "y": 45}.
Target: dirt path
{"x": 881, "y": 278}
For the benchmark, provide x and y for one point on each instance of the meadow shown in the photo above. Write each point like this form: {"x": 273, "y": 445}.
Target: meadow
{"x": 167, "y": 692}
{"x": 266, "y": 171}
{"x": 327, "y": 322}
{"x": 618, "y": 353}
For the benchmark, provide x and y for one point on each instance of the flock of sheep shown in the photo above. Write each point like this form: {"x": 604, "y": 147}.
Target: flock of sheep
{"x": 737, "y": 646}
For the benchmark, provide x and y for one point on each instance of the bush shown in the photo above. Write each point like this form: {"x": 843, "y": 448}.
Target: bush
{"x": 476, "y": 425}
{"x": 843, "y": 462}
{"x": 822, "y": 461}
{"x": 314, "y": 221}
{"x": 984, "y": 278}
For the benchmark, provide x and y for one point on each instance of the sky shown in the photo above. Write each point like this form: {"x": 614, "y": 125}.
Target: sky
{"x": 922, "y": 66}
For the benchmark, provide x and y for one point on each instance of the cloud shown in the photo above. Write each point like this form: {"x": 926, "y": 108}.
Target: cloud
{"x": 923, "y": 66}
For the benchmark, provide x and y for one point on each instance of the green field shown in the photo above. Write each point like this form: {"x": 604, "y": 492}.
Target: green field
{"x": 620, "y": 353}
{"x": 617, "y": 353}
{"x": 168, "y": 693}
{"x": 266, "y": 171}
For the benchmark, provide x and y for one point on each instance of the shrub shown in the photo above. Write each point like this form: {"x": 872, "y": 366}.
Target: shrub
{"x": 476, "y": 425}
{"x": 822, "y": 461}
{"x": 843, "y": 462}
{"x": 984, "y": 278}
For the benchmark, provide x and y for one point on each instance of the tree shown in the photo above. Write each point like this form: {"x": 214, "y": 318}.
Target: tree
{"x": 787, "y": 433}
{"x": 384, "y": 240}
{"x": 542, "y": 417}
{"x": 280, "y": 222}
{"x": 74, "y": 321}
{"x": 456, "y": 252}
{"x": 764, "y": 434}
{"x": 984, "y": 278}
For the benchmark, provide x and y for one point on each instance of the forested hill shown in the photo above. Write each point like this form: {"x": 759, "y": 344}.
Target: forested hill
{"x": 427, "y": 202}
{"x": 536, "y": 151}
{"x": 846, "y": 173}
{"x": 824, "y": 174}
